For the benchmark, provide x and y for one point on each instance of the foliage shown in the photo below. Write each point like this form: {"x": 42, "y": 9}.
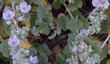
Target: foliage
{"x": 29, "y": 31}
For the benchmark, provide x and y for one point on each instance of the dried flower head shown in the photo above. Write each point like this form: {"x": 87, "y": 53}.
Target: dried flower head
{"x": 25, "y": 44}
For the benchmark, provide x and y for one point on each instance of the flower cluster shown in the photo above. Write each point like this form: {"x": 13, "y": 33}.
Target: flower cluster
{"x": 19, "y": 45}
{"x": 103, "y": 4}
{"x": 23, "y": 7}
{"x": 81, "y": 51}
{"x": 96, "y": 17}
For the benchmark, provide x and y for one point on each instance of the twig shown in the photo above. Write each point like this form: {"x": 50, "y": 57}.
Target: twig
{"x": 69, "y": 12}
{"x": 108, "y": 37}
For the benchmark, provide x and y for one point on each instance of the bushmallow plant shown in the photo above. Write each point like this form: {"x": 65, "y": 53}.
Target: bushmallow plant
{"x": 19, "y": 55}
{"x": 83, "y": 53}
{"x": 80, "y": 50}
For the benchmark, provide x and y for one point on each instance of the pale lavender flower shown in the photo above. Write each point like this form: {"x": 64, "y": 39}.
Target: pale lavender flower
{"x": 84, "y": 32}
{"x": 24, "y": 7}
{"x": 13, "y": 41}
{"x": 33, "y": 59}
{"x": 104, "y": 4}
{"x": 8, "y": 15}
{"x": 74, "y": 49}
{"x": 12, "y": 53}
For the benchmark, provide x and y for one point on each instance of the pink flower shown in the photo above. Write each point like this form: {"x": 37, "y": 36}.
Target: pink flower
{"x": 8, "y": 15}
{"x": 100, "y": 3}
{"x": 13, "y": 40}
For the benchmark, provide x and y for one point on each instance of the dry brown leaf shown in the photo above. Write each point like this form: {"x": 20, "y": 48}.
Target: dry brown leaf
{"x": 57, "y": 49}
{"x": 8, "y": 1}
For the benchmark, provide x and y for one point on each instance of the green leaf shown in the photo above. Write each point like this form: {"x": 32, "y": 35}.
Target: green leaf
{"x": 46, "y": 49}
{"x": 60, "y": 59}
{"x": 72, "y": 36}
{"x": 43, "y": 48}
{"x": 81, "y": 18}
{"x": 103, "y": 54}
{"x": 43, "y": 58}
{"x": 7, "y": 29}
{"x": 38, "y": 22}
{"x": 62, "y": 22}
{"x": 4, "y": 48}
{"x": 94, "y": 44}
{"x": 45, "y": 27}
{"x": 75, "y": 5}
{"x": 74, "y": 25}
{"x": 57, "y": 3}
{"x": 97, "y": 47}
{"x": 34, "y": 30}
{"x": 40, "y": 12}
{"x": 1, "y": 1}
{"x": 105, "y": 25}
{"x": 32, "y": 20}
{"x": 43, "y": 12}
{"x": 33, "y": 50}
{"x": 66, "y": 51}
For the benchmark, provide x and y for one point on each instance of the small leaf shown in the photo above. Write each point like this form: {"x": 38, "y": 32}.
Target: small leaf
{"x": 43, "y": 48}
{"x": 43, "y": 58}
{"x": 44, "y": 28}
{"x": 75, "y": 5}
{"x": 60, "y": 59}
{"x": 57, "y": 3}
{"x": 105, "y": 25}
{"x": 97, "y": 47}
{"x": 4, "y": 48}
{"x": 66, "y": 51}
{"x": 62, "y": 22}
{"x": 103, "y": 53}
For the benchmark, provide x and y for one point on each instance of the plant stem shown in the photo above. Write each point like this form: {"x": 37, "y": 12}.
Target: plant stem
{"x": 69, "y": 12}
{"x": 108, "y": 37}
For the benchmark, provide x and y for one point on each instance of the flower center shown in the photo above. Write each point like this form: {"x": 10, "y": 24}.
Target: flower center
{"x": 24, "y": 8}
{"x": 9, "y": 15}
